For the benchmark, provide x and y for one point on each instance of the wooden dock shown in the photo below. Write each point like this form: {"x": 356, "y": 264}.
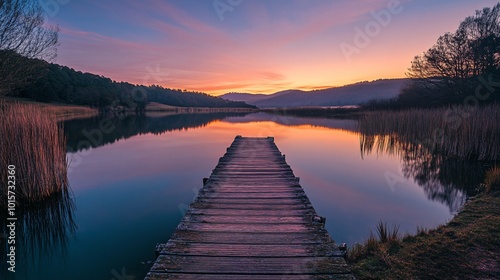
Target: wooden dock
{"x": 251, "y": 220}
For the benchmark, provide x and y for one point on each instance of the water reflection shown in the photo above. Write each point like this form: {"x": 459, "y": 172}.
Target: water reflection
{"x": 98, "y": 131}
{"x": 285, "y": 120}
{"x": 446, "y": 180}
{"x": 43, "y": 230}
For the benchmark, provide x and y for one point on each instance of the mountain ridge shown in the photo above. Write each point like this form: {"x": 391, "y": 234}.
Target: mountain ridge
{"x": 352, "y": 94}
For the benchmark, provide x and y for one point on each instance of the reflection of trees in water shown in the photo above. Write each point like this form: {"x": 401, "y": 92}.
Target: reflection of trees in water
{"x": 449, "y": 181}
{"x": 102, "y": 130}
{"x": 42, "y": 230}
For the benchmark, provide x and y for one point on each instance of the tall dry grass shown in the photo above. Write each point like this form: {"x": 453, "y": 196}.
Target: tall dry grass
{"x": 59, "y": 111}
{"x": 457, "y": 132}
{"x": 492, "y": 180}
{"x": 34, "y": 143}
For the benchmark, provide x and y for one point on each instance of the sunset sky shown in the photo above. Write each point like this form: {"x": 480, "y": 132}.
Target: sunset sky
{"x": 256, "y": 46}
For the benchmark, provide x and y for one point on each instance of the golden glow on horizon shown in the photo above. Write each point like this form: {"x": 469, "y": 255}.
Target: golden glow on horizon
{"x": 218, "y": 89}
{"x": 366, "y": 67}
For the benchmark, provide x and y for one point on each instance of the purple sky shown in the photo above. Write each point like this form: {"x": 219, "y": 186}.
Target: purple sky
{"x": 256, "y": 46}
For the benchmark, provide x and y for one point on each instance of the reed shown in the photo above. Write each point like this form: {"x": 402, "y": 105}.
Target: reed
{"x": 388, "y": 239}
{"x": 34, "y": 143}
{"x": 386, "y": 234}
{"x": 492, "y": 181}
{"x": 456, "y": 132}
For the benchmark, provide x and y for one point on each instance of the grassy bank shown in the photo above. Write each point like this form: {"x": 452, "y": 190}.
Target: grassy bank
{"x": 59, "y": 111}
{"x": 464, "y": 248}
{"x": 34, "y": 143}
{"x": 458, "y": 132}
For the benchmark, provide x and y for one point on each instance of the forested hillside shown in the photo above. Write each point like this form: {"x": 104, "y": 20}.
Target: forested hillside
{"x": 46, "y": 82}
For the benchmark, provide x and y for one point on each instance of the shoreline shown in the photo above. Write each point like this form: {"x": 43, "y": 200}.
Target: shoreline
{"x": 464, "y": 248}
{"x": 64, "y": 111}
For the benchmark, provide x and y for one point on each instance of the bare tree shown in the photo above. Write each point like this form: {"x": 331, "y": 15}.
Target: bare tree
{"x": 23, "y": 35}
{"x": 471, "y": 51}
{"x": 22, "y": 30}
{"x": 483, "y": 34}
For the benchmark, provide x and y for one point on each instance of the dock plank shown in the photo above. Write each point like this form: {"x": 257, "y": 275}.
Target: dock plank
{"x": 223, "y": 219}
{"x": 251, "y": 220}
{"x": 248, "y": 250}
{"x": 186, "y": 276}
{"x": 249, "y": 238}
{"x": 247, "y": 265}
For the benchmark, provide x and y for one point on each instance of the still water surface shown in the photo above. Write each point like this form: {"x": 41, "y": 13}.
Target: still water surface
{"x": 130, "y": 187}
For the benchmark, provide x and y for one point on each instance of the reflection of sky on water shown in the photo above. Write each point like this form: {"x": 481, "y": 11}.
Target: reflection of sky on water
{"x": 129, "y": 191}
{"x": 352, "y": 192}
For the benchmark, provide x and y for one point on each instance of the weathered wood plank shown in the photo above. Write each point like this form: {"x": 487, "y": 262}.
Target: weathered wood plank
{"x": 252, "y": 188}
{"x": 231, "y": 167}
{"x": 198, "y": 205}
{"x": 251, "y": 192}
{"x": 248, "y": 265}
{"x": 264, "y": 179}
{"x": 262, "y": 228}
{"x": 264, "y": 201}
{"x": 248, "y": 250}
{"x": 256, "y": 174}
{"x": 320, "y": 237}
{"x": 264, "y": 190}
{"x": 248, "y": 168}
{"x": 252, "y": 185}
{"x": 222, "y": 219}
{"x": 187, "y": 276}
{"x": 250, "y": 195}
{"x": 254, "y": 212}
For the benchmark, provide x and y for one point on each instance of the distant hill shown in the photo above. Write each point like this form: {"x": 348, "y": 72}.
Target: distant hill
{"x": 48, "y": 82}
{"x": 353, "y": 94}
{"x": 244, "y": 97}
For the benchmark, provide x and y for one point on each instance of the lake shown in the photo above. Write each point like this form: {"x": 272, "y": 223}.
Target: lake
{"x": 132, "y": 178}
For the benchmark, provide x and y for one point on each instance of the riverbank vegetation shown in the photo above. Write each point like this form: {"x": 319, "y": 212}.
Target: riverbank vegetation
{"x": 457, "y": 132}
{"x": 58, "y": 111}
{"x": 464, "y": 248}
{"x": 34, "y": 143}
